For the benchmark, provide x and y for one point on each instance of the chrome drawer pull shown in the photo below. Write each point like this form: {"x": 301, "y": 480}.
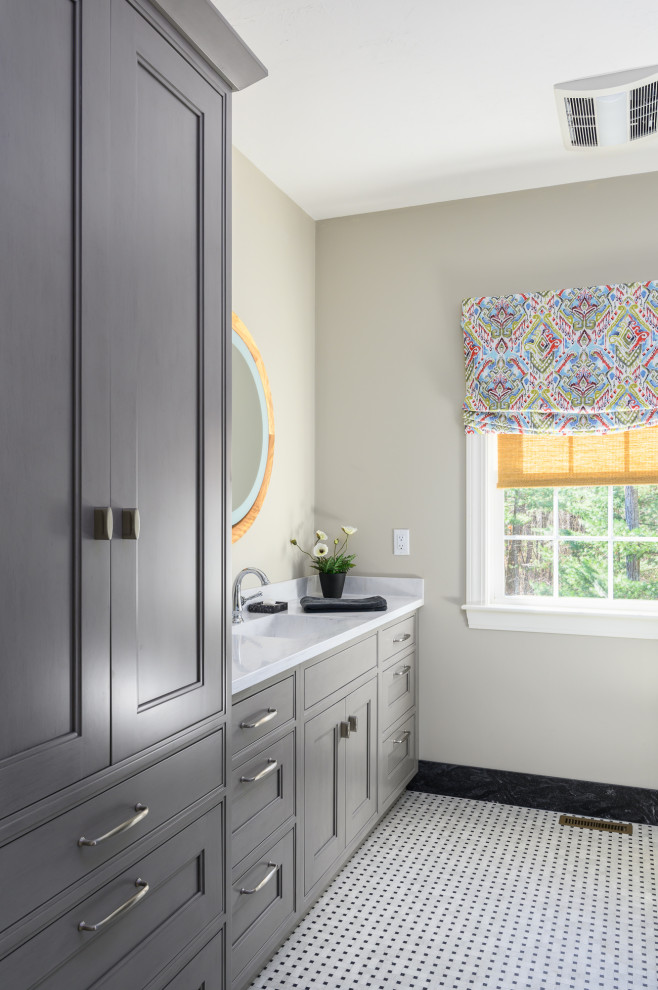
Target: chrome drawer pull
{"x": 270, "y": 714}
{"x": 345, "y": 729}
{"x": 401, "y": 639}
{"x": 272, "y": 765}
{"x": 403, "y": 738}
{"x": 130, "y": 903}
{"x": 142, "y": 811}
{"x": 402, "y": 671}
{"x": 266, "y": 879}
{"x": 354, "y": 722}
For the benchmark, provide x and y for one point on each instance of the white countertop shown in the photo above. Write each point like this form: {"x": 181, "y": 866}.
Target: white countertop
{"x": 264, "y": 645}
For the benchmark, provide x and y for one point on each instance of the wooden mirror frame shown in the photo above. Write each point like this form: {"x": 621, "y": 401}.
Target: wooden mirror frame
{"x": 240, "y": 528}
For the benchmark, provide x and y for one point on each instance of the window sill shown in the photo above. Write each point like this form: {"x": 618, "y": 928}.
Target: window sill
{"x": 554, "y": 619}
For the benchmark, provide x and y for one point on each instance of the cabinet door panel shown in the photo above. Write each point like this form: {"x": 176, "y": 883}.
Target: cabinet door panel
{"x": 361, "y": 760}
{"x": 324, "y": 793}
{"x": 167, "y": 373}
{"x": 54, "y": 399}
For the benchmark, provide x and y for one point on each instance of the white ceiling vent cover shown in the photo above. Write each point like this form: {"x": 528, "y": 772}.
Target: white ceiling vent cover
{"x": 608, "y": 111}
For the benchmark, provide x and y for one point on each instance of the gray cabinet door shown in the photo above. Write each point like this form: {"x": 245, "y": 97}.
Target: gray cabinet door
{"x": 324, "y": 793}
{"x": 169, "y": 321}
{"x": 54, "y": 397}
{"x": 361, "y": 759}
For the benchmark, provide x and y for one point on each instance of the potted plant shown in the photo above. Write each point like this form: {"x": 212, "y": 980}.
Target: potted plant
{"x": 331, "y": 567}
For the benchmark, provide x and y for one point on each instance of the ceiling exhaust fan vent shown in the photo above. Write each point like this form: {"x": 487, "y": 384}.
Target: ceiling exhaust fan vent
{"x": 644, "y": 111}
{"x": 609, "y": 111}
{"x": 581, "y": 121}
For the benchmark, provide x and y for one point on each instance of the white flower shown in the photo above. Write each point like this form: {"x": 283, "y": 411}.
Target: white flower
{"x": 320, "y": 550}
{"x": 348, "y": 530}
{"x": 320, "y": 535}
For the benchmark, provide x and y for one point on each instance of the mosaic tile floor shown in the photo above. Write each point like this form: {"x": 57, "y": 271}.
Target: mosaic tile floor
{"x": 468, "y": 895}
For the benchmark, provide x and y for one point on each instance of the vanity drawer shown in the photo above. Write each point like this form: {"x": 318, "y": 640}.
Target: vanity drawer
{"x": 41, "y": 863}
{"x": 258, "y": 915}
{"x": 335, "y": 672}
{"x": 398, "y": 637}
{"x": 263, "y": 791}
{"x": 262, "y": 713}
{"x": 398, "y": 758}
{"x": 184, "y": 877}
{"x": 204, "y": 972}
{"x": 398, "y": 695}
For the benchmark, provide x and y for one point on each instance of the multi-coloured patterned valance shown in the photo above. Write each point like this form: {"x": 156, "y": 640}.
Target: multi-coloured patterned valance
{"x": 568, "y": 361}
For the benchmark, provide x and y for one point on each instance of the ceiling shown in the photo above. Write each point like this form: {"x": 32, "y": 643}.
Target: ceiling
{"x": 374, "y": 104}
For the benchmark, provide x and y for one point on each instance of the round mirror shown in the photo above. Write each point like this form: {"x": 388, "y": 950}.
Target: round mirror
{"x": 252, "y": 428}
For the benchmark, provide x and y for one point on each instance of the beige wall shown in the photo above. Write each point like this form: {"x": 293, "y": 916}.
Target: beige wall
{"x": 391, "y": 453}
{"x": 274, "y": 296}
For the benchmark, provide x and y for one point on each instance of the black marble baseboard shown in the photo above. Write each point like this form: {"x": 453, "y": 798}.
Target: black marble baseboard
{"x": 527, "y": 790}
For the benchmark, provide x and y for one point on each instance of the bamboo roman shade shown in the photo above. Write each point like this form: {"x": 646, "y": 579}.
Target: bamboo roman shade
{"x": 564, "y": 362}
{"x": 629, "y": 458}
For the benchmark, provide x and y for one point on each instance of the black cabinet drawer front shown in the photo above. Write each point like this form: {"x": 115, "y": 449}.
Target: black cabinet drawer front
{"x": 41, "y": 863}
{"x": 398, "y": 688}
{"x": 261, "y": 713}
{"x": 184, "y": 877}
{"x": 398, "y": 637}
{"x": 263, "y": 796}
{"x": 337, "y": 671}
{"x": 257, "y": 915}
{"x": 398, "y": 757}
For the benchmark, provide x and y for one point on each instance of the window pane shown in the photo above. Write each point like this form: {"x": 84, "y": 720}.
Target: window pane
{"x": 635, "y": 510}
{"x": 528, "y": 567}
{"x": 583, "y": 511}
{"x": 528, "y": 511}
{"x": 635, "y": 570}
{"x": 582, "y": 570}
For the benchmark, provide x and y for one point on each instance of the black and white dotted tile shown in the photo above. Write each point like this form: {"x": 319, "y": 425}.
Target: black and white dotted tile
{"x": 467, "y": 895}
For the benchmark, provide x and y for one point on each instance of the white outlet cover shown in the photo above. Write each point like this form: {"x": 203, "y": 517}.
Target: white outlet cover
{"x": 401, "y": 542}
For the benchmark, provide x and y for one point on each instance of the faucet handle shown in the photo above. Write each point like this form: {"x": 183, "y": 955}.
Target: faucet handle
{"x": 248, "y": 598}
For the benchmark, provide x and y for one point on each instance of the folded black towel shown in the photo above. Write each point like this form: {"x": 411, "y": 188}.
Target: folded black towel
{"x": 374, "y": 604}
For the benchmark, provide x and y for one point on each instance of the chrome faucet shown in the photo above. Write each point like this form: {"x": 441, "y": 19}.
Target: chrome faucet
{"x": 238, "y": 598}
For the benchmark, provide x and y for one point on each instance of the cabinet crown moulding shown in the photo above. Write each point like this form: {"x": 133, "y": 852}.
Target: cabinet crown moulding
{"x": 212, "y": 36}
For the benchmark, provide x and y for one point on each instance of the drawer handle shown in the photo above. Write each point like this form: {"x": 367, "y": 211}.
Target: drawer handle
{"x": 272, "y": 765}
{"x": 269, "y": 714}
{"x": 354, "y": 722}
{"x": 402, "y": 671}
{"x": 345, "y": 729}
{"x": 266, "y": 879}
{"x": 130, "y": 903}
{"x": 402, "y": 638}
{"x": 142, "y": 811}
{"x": 403, "y": 738}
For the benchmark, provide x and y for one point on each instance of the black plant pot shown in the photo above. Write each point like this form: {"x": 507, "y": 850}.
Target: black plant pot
{"x": 332, "y": 584}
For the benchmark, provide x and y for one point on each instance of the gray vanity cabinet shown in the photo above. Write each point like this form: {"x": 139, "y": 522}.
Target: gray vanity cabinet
{"x": 351, "y": 717}
{"x": 340, "y": 778}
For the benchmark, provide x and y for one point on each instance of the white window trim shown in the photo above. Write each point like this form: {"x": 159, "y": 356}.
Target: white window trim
{"x": 486, "y": 606}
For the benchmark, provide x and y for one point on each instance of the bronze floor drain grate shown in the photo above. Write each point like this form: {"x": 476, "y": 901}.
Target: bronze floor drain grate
{"x": 620, "y": 827}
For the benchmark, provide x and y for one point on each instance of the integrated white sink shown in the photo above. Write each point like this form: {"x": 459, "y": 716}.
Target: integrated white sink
{"x": 287, "y": 625}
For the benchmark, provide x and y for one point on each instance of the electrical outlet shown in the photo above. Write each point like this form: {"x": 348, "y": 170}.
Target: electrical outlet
{"x": 400, "y": 542}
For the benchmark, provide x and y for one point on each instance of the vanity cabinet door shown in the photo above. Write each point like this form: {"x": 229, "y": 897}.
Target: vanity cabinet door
{"x": 168, "y": 369}
{"x": 324, "y": 793}
{"x": 54, "y": 398}
{"x": 361, "y": 759}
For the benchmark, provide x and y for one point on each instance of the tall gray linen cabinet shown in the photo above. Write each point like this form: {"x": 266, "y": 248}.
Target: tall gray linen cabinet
{"x": 114, "y": 534}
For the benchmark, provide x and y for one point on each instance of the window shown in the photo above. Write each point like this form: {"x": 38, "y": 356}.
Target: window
{"x": 580, "y": 559}
{"x": 581, "y": 542}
